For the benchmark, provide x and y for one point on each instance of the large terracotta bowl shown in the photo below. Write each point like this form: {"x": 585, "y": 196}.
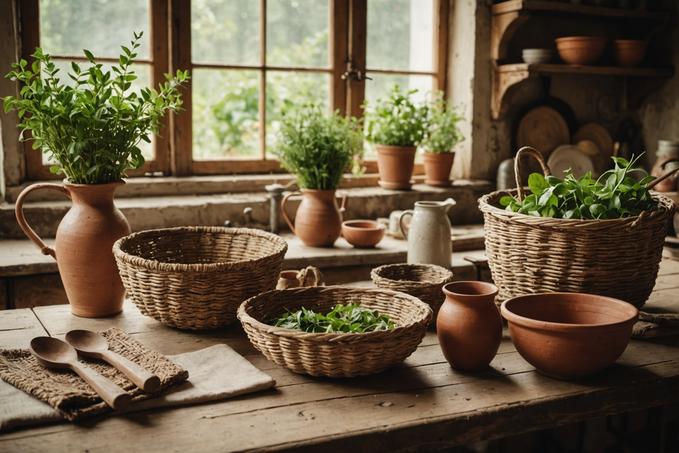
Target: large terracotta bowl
{"x": 629, "y": 52}
{"x": 362, "y": 233}
{"x": 581, "y": 50}
{"x": 569, "y": 335}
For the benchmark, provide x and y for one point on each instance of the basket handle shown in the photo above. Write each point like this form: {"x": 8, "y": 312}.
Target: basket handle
{"x": 21, "y": 219}
{"x": 666, "y": 175}
{"x": 310, "y": 276}
{"x": 285, "y": 213}
{"x": 528, "y": 150}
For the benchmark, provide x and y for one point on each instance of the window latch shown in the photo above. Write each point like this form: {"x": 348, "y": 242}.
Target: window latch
{"x": 355, "y": 74}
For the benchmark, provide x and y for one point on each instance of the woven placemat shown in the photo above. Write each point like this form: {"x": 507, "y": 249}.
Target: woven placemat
{"x": 68, "y": 393}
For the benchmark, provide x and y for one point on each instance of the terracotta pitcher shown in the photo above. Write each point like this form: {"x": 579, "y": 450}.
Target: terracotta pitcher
{"x": 318, "y": 221}
{"x": 469, "y": 326}
{"x": 83, "y": 247}
{"x": 429, "y": 240}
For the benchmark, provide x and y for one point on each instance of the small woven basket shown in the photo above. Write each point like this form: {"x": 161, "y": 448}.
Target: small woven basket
{"x": 335, "y": 354}
{"x": 424, "y": 281}
{"x": 196, "y": 277}
{"x": 614, "y": 257}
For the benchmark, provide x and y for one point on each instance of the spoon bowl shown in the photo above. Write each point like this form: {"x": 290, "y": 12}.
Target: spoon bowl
{"x": 87, "y": 341}
{"x": 53, "y": 353}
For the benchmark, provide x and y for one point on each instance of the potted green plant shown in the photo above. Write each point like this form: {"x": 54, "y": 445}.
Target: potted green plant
{"x": 91, "y": 128}
{"x": 317, "y": 148}
{"x": 396, "y": 125}
{"x": 442, "y": 135}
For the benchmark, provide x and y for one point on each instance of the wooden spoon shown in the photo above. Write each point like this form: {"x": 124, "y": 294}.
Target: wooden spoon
{"x": 57, "y": 354}
{"x": 92, "y": 344}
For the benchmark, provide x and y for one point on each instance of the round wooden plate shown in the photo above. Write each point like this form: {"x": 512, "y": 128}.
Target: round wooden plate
{"x": 602, "y": 139}
{"x": 544, "y": 129}
{"x": 570, "y": 157}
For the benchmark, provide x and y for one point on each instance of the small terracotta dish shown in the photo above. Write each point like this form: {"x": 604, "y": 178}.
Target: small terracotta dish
{"x": 569, "y": 335}
{"x": 581, "y": 50}
{"x": 362, "y": 233}
{"x": 629, "y": 52}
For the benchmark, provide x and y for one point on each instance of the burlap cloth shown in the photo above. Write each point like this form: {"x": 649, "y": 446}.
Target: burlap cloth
{"x": 72, "y": 397}
{"x": 656, "y": 325}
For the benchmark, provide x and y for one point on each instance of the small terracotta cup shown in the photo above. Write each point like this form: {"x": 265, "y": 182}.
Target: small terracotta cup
{"x": 469, "y": 326}
{"x": 362, "y": 233}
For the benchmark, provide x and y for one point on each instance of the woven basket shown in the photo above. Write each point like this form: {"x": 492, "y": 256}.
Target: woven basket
{"x": 424, "y": 281}
{"x": 196, "y": 277}
{"x": 335, "y": 354}
{"x": 615, "y": 257}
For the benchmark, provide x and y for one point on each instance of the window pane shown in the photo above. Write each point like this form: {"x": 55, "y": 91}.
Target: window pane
{"x": 225, "y": 114}
{"x": 287, "y": 88}
{"x": 401, "y": 34}
{"x": 101, "y": 26}
{"x": 297, "y": 33}
{"x": 225, "y": 31}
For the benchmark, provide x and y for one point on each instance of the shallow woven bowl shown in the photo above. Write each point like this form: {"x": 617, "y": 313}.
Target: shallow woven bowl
{"x": 335, "y": 354}
{"x": 569, "y": 335}
{"x": 196, "y": 277}
{"x": 424, "y": 281}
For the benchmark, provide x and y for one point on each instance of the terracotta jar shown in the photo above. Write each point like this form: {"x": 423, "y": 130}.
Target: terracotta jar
{"x": 437, "y": 168}
{"x": 395, "y": 165}
{"x": 469, "y": 326}
{"x": 318, "y": 221}
{"x": 83, "y": 246}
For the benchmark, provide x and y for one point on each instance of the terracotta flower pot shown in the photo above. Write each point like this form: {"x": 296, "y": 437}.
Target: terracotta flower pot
{"x": 362, "y": 233}
{"x": 318, "y": 221}
{"x": 581, "y": 50}
{"x": 395, "y": 165}
{"x": 629, "y": 52}
{"x": 469, "y": 326}
{"x": 569, "y": 335}
{"x": 437, "y": 168}
{"x": 83, "y": 246}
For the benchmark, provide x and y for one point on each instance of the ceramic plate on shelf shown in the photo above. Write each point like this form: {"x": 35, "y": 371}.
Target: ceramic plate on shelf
{"x": 602, "y": 139}
{"x": 569, "y": 157}
{"x": 543, "y": 128}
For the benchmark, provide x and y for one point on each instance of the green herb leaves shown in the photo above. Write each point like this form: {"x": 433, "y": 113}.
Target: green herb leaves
{"x": 318, "y": 148}
{"x": 396, "y": 120}
{"x": 442, "y": 128}
{"x": 93, "y": 125}
{"x": 613, "y": 195}
{"x": 350, "y": 318}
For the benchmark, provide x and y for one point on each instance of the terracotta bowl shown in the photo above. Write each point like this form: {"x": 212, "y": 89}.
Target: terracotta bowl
{"x": 580, "y": 50}
{"x": 362, "y": 233}
{"x": 629, "y": 52}
{"x": 569, "y": 335}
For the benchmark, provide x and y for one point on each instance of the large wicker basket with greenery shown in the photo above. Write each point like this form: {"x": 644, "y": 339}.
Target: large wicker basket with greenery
{"x": 613, "y": 257}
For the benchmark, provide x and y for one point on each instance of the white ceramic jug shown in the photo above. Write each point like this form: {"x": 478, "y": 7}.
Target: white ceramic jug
{"x": 429, "y": 240}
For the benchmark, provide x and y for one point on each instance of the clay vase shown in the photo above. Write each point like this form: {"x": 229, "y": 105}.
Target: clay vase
{"x": 469, "y": 326}
{"x": 83, "y": 246}
{"x": 437, "y": 168}
{"x": 318, "y": 221}
{"x": 395, "y": 165}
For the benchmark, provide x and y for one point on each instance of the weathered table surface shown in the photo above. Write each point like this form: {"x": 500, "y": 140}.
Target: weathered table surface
{"x": 420, "y": 404}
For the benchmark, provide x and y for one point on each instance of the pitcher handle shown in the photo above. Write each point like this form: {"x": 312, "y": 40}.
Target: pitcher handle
{"x": 343, "y": 205}
{"x": 285, "y": 213}
{"x": 402, "y": 227}
{"x": 23, "y": 224}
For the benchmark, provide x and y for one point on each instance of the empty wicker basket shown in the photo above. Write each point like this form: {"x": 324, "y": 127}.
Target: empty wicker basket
{"x": 196, "y": 277}
{"x": 424, "y": 281}
{"x": 335, "y": 354}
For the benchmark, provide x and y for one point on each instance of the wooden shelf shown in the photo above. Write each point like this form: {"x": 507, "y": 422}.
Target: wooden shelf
{"x": 545, "y": 6}
{"x": 508, "y": 75}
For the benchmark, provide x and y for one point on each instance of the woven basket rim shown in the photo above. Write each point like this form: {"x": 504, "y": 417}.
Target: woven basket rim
{"x": 315, "y": 337}
{"x": 279, "y": 246}
{"x": 445, "y": 274}
{"x": 665, "y": 206}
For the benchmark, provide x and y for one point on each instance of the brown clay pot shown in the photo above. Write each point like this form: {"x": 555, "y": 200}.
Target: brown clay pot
{"x": 581, "y": 50}
{"x": 362, "y": 233}
{"x": 83, "y": 246}
{"x": 437, "y": 168}
{"x": 629, "y": 52}
{"x": 469, "y": 326}
{"x": 318, "y": 221}
{"x": 669, "y": 184}
{"x": 395, "y": 165}
{"x": 569, "y": 335}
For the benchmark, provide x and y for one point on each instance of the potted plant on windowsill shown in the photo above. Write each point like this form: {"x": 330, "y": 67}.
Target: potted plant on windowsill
{"x": 396, "y": 125}
{"x": 317, "y": 148}
{"x": 441, "y": 137}
{"x": 91, "y": 128}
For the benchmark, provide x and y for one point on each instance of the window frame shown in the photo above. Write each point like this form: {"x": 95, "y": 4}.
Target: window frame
{"x": 170, "y": 30}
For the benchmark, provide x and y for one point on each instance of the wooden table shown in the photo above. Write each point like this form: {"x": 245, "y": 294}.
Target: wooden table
{"x": 422, "y": 404}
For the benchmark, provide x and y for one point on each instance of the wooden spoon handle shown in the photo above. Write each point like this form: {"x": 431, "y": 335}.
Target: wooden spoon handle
{"x": 112, "y": 394}
{"x": 142, "y": 378}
